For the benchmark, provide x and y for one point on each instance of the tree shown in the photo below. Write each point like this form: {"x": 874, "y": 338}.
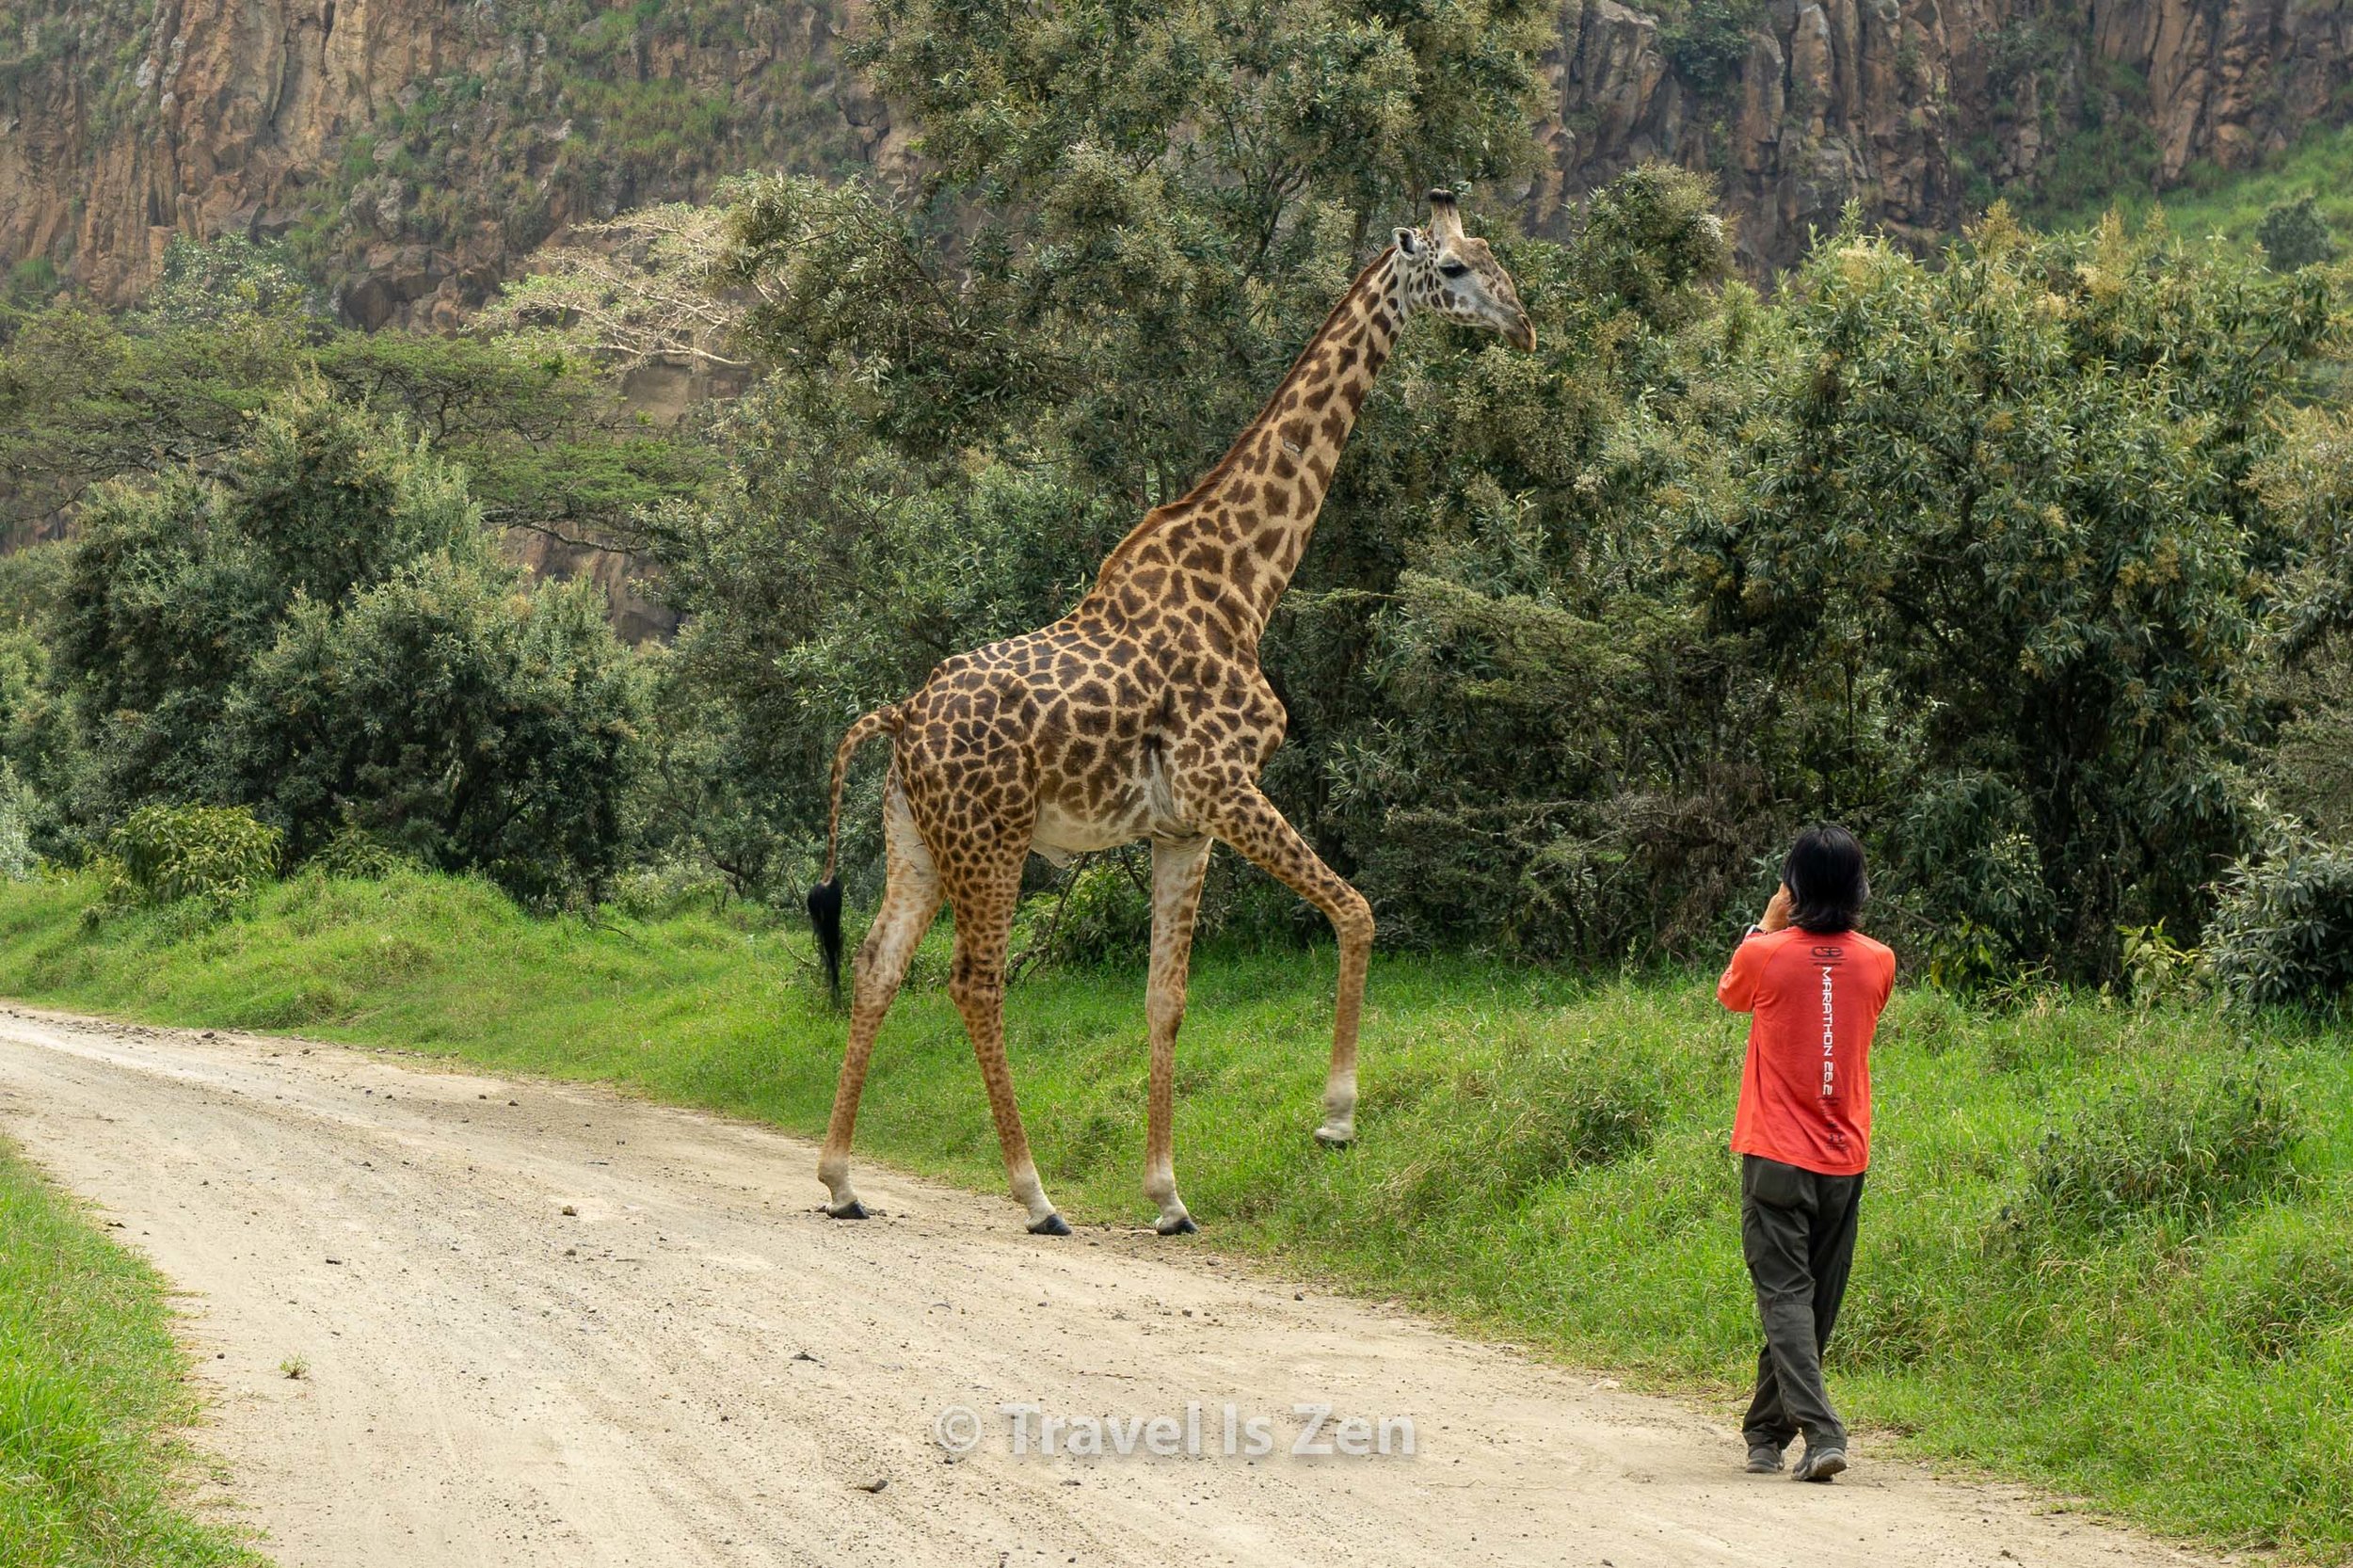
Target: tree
{"x": 2294, "y": 236}
{"x": 324, "y": 631}
{"x": 2015, "y": 490}
{"x": 444, "y": 714}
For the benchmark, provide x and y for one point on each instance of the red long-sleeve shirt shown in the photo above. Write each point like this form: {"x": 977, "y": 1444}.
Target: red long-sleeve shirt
{"x": 1805, "y": 1090}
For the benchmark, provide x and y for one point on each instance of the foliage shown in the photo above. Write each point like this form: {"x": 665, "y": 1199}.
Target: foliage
{"x": 219, "y": 856}
{"x": 2294, "y": 236}
{"x": 324, "y": 632}
{"x": 229, "y": 279}
{"x": 93, "y": 1393}
{"x": 518, "y": 120}
{"x": 2229, "y": 207}
{"x": 1707, "y": 42}
{"x": 1104, "y": 914}
{"x": 2158, "y": 970}
{"x": 173, "y": 385}
{"x": 83, "y": 400}
{"x": 2014, "y": 487}
{"x": 355, "y": 853}
{"x": 449, "y": 718}
{"x": 20, "y": 814}
{"x": 2283, "y": 933}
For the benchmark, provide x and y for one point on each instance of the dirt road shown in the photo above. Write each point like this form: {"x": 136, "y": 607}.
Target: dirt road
{"x": 548, "y": 1325}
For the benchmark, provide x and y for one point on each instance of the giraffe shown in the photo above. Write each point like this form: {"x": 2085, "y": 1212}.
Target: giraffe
{"x": 1140, "y": 715}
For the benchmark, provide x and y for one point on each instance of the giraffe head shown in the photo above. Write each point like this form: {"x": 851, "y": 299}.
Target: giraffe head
{"x": 1443, "y": 269}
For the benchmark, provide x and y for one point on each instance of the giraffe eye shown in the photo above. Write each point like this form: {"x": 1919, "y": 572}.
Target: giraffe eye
{"x": 1452, "y": 269}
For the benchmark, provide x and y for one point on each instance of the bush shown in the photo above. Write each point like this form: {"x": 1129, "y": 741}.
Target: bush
{"x": 2159, "y": 969}
{"x": 2294, "y": 236}
{"x": 359, "y": 855}
{"x": 216, "y": 854}
{"x": 2180, "y": 1147}
{"x": 2283, "y": 934}
{"x": 328, "y": 633}
{"x": 18, "y": 810}
{"x": 467, "y": 724}
{"x": 669, "y": 888}
{"x": 1105, "y": 916}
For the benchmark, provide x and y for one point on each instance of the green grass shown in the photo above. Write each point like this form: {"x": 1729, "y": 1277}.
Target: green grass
{"x": 2213, "y": 205}
{"x": 2102, "y": 1250}
{"x": 91, "y": 1392}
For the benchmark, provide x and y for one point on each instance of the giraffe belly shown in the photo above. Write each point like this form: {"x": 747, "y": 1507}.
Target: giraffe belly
{"x": 1145, "y": 808}
{"x": 1061, "y": 833}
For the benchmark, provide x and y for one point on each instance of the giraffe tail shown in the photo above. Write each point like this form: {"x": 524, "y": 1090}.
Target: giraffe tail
{"x": 825, "y": 899}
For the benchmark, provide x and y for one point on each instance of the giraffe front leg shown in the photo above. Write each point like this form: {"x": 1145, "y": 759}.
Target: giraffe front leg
{"x": 1178, "y": 866}
{"x": 910, "y": 899}
{"x": 1245, "y": 819}
{"x": 983, "y": 901}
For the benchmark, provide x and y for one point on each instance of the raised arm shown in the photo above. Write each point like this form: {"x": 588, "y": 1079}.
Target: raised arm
{"x": 1737, "y": 990}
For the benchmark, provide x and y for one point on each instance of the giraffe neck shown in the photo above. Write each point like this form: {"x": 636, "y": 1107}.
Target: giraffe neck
{"x": 1231, "y": 544}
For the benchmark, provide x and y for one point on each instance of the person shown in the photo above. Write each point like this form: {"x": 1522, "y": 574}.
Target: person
{"x": 1815, "y": 986}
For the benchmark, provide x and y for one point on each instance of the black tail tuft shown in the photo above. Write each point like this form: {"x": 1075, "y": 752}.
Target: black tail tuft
{"x": 824, "y": 913}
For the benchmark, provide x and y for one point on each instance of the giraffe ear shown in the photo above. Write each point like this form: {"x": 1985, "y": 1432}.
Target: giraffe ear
{"x": 1409, "y": 242}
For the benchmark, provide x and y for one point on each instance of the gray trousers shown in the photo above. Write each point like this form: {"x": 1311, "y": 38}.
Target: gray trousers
{"x": 1796, "y": 1229}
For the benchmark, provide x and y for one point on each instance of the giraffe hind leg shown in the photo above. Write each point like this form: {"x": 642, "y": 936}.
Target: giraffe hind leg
{"x": 984, "y": 892}
{"x": 911, "y": 895}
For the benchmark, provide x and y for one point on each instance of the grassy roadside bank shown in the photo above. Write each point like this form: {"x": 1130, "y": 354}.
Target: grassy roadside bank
{"x": 91, "y": 1392}
{"x": 2104, "y": 1251}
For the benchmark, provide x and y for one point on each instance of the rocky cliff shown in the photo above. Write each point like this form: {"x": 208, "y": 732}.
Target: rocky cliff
{"x": 413, "y": 149}
{"x": 410, "y": 149}
{"x": 1923, "y": 111}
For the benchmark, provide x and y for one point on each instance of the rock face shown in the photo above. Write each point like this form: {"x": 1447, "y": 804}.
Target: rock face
{"x": 1922, "y": 111}
{"x": 412, "y": 146}
{"x": 417, "y": 148}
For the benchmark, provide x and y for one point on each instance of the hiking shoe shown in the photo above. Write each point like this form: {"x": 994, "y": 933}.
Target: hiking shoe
{"x": 1764, "y": 1459}
{"x": 1819, "y": 1465}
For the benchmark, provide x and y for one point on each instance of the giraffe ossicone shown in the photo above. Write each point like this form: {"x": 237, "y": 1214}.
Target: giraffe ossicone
{"x": 1140, "y": 715}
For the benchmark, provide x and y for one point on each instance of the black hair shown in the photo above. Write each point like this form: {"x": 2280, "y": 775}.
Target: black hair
{"x": 1826, "y": 879}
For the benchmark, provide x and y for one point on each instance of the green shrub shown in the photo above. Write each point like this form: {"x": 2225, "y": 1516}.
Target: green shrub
{"x": 18, "y": 810}
{"x": 360, "y": 855}
{"x": 671, "y": 888}
{"x": 216, "y": 854}
{"x": 2159, "y": 969}
{"x": 2293, "y": 235}
{"x": 1104, "y": 917}
{"x": 2184, "y": 1148}
{"x": 2283, "y": 933}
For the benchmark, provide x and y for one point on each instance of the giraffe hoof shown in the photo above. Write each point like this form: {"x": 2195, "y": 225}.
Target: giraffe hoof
{"x": 1053, "y": 1225}
{"x": 851, "y": 1211}
{"x": 1181, "y": 1225}
{"x": 1335, "y": 1138}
